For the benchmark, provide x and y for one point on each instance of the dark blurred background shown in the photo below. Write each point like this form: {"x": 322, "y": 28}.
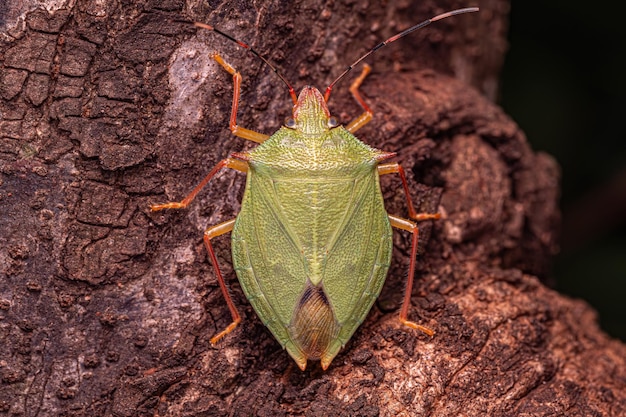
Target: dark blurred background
{"x": 564, "y": 83}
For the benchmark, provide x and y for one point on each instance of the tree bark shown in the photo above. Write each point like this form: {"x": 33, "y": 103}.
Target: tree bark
{"x": 107, "y": 308}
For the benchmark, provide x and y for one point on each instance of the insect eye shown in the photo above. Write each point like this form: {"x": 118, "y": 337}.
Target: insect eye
{"x": 290, "y": 123}
{"x": 332, "y": 122}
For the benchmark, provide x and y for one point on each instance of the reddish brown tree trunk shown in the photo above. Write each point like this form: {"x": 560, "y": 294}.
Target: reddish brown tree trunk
{"x": 107, "y": 309}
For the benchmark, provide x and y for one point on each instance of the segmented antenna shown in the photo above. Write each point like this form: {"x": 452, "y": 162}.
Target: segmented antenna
{"x": 395, "y": 38}
{"x": 292, "y": 92}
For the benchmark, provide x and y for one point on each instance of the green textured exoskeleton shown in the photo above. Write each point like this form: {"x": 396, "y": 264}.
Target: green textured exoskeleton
{"x": 312, "y": 244}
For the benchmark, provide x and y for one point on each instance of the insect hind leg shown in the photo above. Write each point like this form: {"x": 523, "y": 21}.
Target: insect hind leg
{"x": 209, "y": 234}
{"x": 410, "y": 226}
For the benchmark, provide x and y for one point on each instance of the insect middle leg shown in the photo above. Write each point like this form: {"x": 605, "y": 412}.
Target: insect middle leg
{"x": 232, "y": 163}
{"x": 237, "y": 130}
{"x": 367, "y": 114}
{"x": 395, "y": 168}
{"x": 209, "y": 234}
{"x": 408, "y": 225}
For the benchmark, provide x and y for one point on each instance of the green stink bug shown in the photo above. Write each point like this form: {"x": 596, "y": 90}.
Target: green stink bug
{"x": 312, "y": 243}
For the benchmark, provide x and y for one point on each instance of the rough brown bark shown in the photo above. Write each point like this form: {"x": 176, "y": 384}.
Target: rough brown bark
{"x": 107, "y": 309}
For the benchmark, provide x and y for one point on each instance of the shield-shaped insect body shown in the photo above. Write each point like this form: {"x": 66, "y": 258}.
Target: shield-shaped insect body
{"x": 312, "y": 243}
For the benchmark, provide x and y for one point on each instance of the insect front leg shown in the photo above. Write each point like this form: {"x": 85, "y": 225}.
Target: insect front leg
{"x": 408, "y": 225}
{"x": 367, "y": 115}
{"x": 209, "y": 234}
{"x": 237, "y": 130}
{"x": 395, "y": 168}
{"x": 232, "y": 163}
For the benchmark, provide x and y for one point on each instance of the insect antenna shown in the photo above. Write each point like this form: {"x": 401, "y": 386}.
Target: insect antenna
{"x": 292, "y": 92}
{"x": 395, "y": 38}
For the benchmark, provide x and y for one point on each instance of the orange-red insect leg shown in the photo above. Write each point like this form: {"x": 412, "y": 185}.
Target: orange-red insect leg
{"x": 237, "y": 130}
{"x": 410, "y": 226}
{"x": 395, "y": 168}
{"x": 232, "y": 163}
{"x": 367, "y": 115}
{"x": 209, "y": 234}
